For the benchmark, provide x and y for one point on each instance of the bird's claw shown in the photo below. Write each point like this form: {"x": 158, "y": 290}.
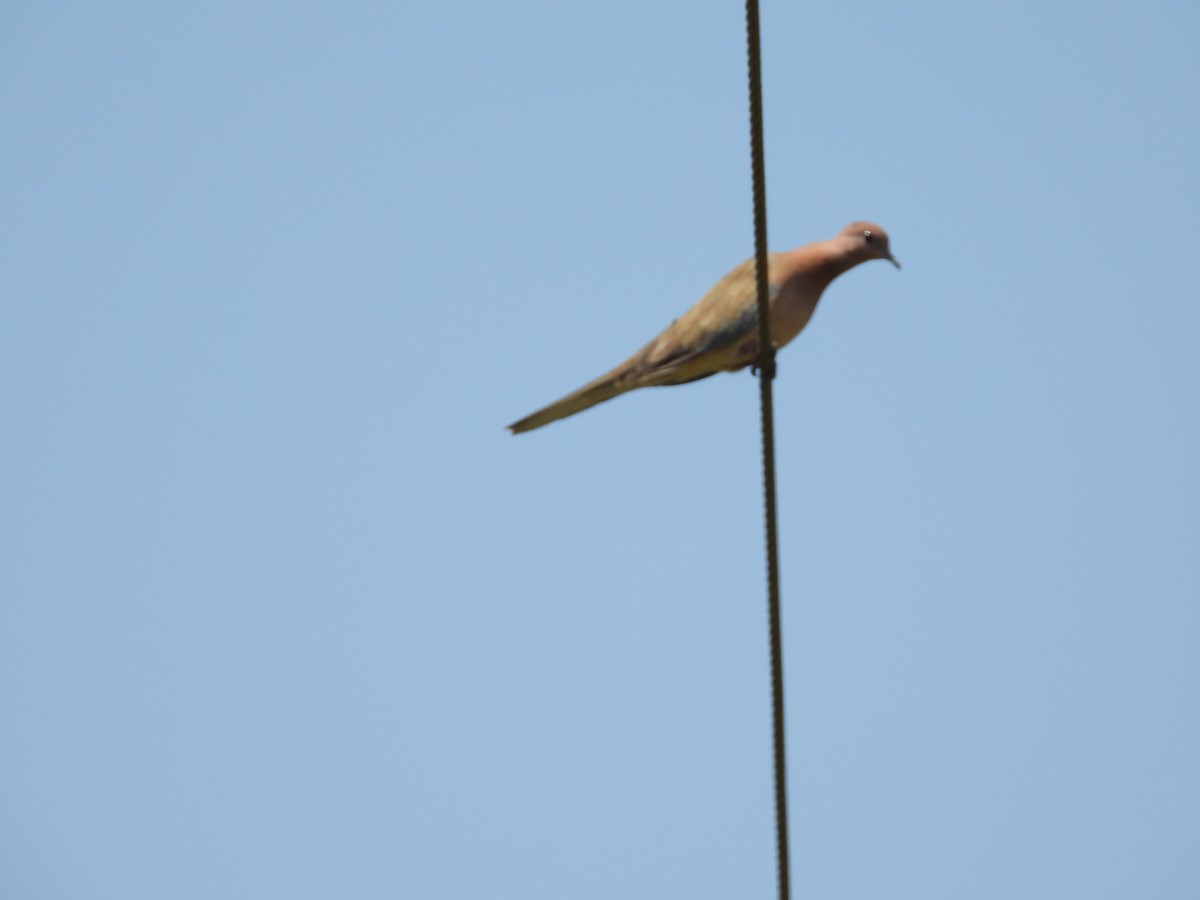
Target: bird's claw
{"x": 766, "y": 366}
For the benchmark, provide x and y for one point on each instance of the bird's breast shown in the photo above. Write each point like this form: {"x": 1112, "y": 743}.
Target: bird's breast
{"x": 792, "y": 309}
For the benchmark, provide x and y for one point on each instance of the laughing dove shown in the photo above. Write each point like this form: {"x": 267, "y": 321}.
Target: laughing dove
{"x": 720, "y": 333}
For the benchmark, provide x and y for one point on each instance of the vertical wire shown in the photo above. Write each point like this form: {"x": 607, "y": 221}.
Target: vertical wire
{"x": 766, "y": 373}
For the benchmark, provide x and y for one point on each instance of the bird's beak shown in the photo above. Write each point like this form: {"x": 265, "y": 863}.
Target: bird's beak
{"x": 895, "y": 262}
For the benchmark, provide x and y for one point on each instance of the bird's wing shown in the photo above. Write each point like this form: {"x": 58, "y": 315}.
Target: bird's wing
{"x": 705, "y": 339}
{"x": 717, "y": 334}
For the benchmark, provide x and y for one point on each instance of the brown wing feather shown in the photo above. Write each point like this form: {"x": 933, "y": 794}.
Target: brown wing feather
{"x": 708, "y": 338}
{"x": 720, "y": 319}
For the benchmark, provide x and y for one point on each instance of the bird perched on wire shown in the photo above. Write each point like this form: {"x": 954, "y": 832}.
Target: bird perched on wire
{"x": 720, "y": 333}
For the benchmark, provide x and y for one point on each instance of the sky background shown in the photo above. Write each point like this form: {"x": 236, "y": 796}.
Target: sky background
{"x": 286, "y": 613}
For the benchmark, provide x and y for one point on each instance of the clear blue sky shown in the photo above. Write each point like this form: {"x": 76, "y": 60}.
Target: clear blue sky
{"x": 286, "y": 613}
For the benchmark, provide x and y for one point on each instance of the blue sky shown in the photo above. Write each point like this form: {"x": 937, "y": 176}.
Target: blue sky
{"x": 287, "y": 613}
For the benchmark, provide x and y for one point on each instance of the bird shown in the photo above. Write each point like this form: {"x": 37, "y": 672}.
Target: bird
{"x": 720, "y": 332}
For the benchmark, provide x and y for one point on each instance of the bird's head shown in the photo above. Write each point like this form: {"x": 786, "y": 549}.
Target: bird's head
{"x": 866, "y": 240}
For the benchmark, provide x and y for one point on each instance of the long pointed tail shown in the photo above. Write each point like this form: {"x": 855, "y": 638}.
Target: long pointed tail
{"x": 603, "y": 388}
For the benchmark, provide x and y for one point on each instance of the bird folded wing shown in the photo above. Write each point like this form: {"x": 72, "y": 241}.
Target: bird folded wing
{"x": 710, "y": 337}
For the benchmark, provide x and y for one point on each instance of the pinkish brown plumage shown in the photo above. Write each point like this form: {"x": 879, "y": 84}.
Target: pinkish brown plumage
{"x": 719, "y": 333}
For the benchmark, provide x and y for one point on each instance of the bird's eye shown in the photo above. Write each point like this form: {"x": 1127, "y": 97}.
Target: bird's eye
{"x": 868, "y": 237}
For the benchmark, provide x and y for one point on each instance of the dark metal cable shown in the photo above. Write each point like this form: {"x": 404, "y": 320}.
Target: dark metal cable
{"x": 766, "y": 374}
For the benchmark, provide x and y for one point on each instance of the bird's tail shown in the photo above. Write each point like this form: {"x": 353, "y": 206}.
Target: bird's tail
{"x": 603, "y": 388}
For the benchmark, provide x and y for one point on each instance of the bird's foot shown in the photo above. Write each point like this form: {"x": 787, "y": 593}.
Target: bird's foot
{"x": 765, "y": 365}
